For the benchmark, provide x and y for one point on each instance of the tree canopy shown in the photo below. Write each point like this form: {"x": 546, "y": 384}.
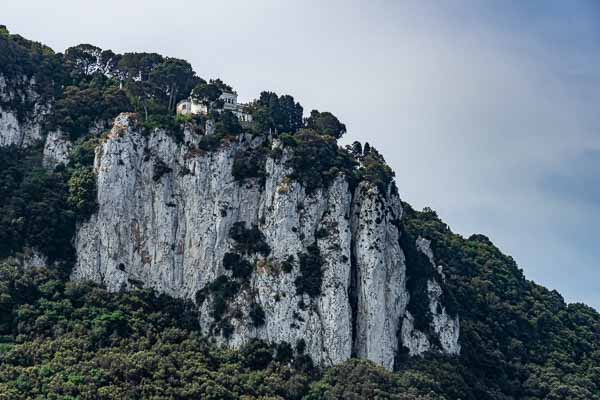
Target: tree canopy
{"x": 326, "y": 124}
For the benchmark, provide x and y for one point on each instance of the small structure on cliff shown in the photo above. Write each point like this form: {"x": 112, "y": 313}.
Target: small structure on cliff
{"x": 195, "y": 106}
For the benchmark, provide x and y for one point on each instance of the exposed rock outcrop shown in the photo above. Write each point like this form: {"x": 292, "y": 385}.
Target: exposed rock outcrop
{"x": 56, "y": 149}
{"x": 166, "y": 215}
{"x": 16, "y": 128}
{"x": 446, "y": 328}
{"x": 380, "y": 274}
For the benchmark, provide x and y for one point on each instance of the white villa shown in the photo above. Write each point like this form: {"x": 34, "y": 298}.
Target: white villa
{"x": 191, "y": 106}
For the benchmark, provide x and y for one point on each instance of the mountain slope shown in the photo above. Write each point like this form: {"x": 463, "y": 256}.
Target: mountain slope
{"x": 274, "y": 240}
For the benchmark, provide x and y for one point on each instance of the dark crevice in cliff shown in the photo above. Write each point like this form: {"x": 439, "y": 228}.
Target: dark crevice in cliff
{"x": 353, "y": 289}
{"x": 353, "y": 295}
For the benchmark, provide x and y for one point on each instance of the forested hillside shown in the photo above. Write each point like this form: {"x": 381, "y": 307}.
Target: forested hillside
{"x": 66, "y": 339}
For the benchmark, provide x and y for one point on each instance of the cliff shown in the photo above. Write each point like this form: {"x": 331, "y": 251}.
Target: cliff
{"x": 174, "y": 218}
{"x": 288, "y": 251}
{"x": 136, "y": 246}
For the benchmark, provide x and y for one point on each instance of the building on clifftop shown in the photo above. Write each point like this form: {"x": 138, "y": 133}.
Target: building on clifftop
{"x": 193, "y": 106}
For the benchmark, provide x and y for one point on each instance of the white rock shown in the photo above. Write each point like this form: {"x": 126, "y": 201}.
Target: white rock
{"x": 445, "y": 327}
{"x": 29, "y": 130}
{"x": 56, "y": 149}
{"x": 380, "y": 275}
{"x": 414, "y": 340}
{"x": 170, "y": 231}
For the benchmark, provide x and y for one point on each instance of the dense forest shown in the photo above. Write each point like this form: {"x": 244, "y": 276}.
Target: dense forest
{"x": 68, "y": 340}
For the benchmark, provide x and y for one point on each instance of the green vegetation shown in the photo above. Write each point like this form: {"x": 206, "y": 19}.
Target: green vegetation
{"x": 257, "y": 315}
{"x": 375, "y": 170}
{"x": 209, "y": 93}
{"x": 326, "y": 124}
{"x": 22, "y": 60}
{"x": 35, "y": 211}
{"x": 519, "y": 340}
{"x": 82, "y": 192}
{"x": 249, "y": 164}
{"x": 64, "y": 340}
{"x": 159, "y": 168}
{"x": 278, "y": 114}
{"x": 316, "y": 160}
{"x": 83, "y": 94}
{"x": 359, "y": 379}
{"x": 249, "y": 240}
{"x": 311, "y": 276}
{"x": 80, "y": 107}
{"x": 288, "y": 264}
{"x": 40, "y": 206}
{"x": 222, "y": 289}
{"x": 238, "y": 265}
{"x": 226, "y": 123}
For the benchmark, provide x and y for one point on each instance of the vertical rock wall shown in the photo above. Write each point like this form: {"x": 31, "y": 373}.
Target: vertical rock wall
{"x": 165, "y": 214}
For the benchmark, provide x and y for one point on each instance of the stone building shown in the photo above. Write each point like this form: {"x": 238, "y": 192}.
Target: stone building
{"x": 192, "y": 106}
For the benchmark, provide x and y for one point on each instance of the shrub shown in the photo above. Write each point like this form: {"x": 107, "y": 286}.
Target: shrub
{"x": 82, "y": 192}
{"x": 310, "y": 279}
{"x": 256, "y": 314}
{"x": 249, "y": 164}
{"x": 210, "y": 142}
{"x": 249, "y": 240}
{"x": 35, "y": 211}
{"x": 374, "y": 169}
{"x": 288, "y": 264}
{"x": 321, "y": 233}
{"x": 240, "y": 267}
{"x": 80, "y": 107}
{"x": 276, "y": 113}
{"x": 418, "y": 271}
{"x": 83, "y": 153}
{"x": 159, "y": 168}
{"x": 227, "y": 123}
{"x": 316, "y": 160}
{"x": 256, "y": 354}
{"x": 326, "y": 124}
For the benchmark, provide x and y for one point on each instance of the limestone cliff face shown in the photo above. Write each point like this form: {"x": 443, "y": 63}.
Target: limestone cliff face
{"x": 165, "y": 217}
{"x": 446, "y": 328}
{"x": 26, "y": 128}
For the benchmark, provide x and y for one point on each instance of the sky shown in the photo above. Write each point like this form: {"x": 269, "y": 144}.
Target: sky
{"x": 486, "y": 110}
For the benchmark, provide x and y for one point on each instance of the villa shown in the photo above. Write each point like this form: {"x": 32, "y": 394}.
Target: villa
{"x": 192, "y": 106}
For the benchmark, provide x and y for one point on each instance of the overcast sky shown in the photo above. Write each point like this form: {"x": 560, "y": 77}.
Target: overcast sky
{"x": 488, "y": 111}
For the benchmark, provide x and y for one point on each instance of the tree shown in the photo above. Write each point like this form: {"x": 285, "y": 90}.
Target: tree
{"x": 140, "y": 94}
{"x": 207, "y": 92}
{"x": 174, "y": 78}
{"x": 281, "y": 114}
{"x": 81, "y": 57}
{"x": 228, "y": 123}
{"x": 138, "y": 66}
{"x": 82, "y": 192}
{"x": 326, "y": 124}
{"x": 221, "y": 85}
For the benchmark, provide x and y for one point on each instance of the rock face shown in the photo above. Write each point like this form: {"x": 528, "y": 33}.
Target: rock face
{"x": 165, "y": 220}
{"x": 445, "y": 328}
{"x": 15, "y": 129}
{"x": 380, "y": 274}
{"x": 56, "y": 149}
